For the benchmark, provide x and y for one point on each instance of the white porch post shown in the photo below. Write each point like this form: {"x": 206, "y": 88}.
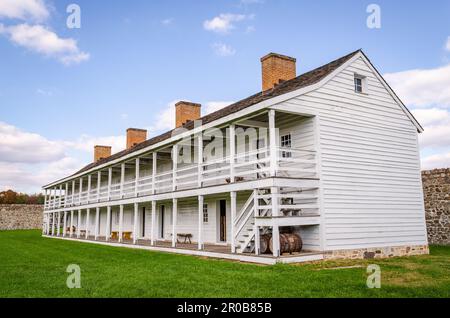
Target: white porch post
{"x": 122, "y": 178}
{"x": 200, "y": 221}
{"x": 174, "y": 166}
{"x": 97, "y": 223}
{"x": 108, "y": 223}
{"x": 58, "y": 230}
{"x": 89, "y": 188}
{"x": 66, "y": 194}
{"x": 45, "y": 199}
{"x": 88, "y": 211}
{"x": 273, "y": 144}
{"x": 153, "y": 229}
{"x": 233, "y": 219}
{"x": 154, "y": 167}
{"x": 256, "y": 228}
{"x": 120, "y": 223}
{"x": 135, "y": 224}
{"x": 275, "y": 229}
{"x": 136, "y": 182}
{"x": 78, "y": 224}
{"x": 99, "y": 180}
{"x": 81, "y": 190}
{"x": 50, "y": 199}
{"x": 71, "y": 223}
{"x": 174, "y": 221}
{"x": 64, "y": 223}
{"x": 109, "y": 182}
{"x": 232, "y": 152}
{"x": 73, "y": 192}
{"x": 53, "y": 224}
{"x": 60, "y": 196}
{"x": 200, "y": 159}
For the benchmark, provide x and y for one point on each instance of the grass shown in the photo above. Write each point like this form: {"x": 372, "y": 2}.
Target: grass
{"x": 32, "y": 266}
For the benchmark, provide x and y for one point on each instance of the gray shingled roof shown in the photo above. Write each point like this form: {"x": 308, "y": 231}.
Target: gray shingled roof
{"x": 303, "y": 80}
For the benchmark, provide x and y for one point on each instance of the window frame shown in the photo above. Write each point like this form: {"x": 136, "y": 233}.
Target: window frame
{"x": 205, "y": 213}
{"x": 286, "y": 154}
{"x": 363, "y": 85}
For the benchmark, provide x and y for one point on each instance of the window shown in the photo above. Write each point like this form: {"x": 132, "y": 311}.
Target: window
{"x": 360, "y": 84}
{"x": 286, "y": 142}
{"x": 205, "y": 213}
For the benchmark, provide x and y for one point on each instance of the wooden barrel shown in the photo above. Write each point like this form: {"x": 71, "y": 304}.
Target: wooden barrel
{"x": 264, "y": 245}
{"x": 289, "y": 243}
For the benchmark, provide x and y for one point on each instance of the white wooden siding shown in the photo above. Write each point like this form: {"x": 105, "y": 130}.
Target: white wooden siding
{"x": 372, "y": 193}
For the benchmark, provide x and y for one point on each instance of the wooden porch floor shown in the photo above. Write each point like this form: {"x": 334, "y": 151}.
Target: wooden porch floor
{"x": 207, "y": 248}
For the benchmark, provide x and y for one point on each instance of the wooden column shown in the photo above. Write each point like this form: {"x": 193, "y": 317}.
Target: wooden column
{"x": 45, "y": 199}
{"x": 73, "y": 192}
{"x": 174, "y": 166}
{"x": 233, "y": 219}
{"x": 108, "y": 224}
{"x": 58, "y": 230}
{"x": 153, "y": 229}
{"x": 99, "y": 182}
{"x": 136, "y": 223}
{"x": 154, "y": 168}
{"x": 60, "y": 196}
{"x": 174, "y": 221}
{"x": 256, "y": 228}
{"x": 200, "y": 221}
{"x": 232, "y": 152}
{"x": 122, "y": 178}
{"x": 109, "y": 183}
{"x": 120, "y": 223}
{"x": 66, "y": 194}
{"x": 78, "y": 224}
{"x": 64, "y": 223}
{"x": 53, "y": 224}
{"x": 81, "y": 190}
{"x": 273, "y": 144}
{"x": 89, "y": 188}
{"x": 88, "y": 211}
{"x": 136, "y": 182}
{"x": 71, "y": 223}
{"x": 200, "y": 160}
{"x": 275, "y": 229}
{"x": 97, "y": 223}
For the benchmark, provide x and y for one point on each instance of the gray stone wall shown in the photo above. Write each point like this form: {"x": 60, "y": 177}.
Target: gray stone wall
{"x": 21, "y": 216}
{"x": 436, "y": 190}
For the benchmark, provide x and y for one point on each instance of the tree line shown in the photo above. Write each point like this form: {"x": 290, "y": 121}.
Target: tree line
{"x": 12, "y": 197}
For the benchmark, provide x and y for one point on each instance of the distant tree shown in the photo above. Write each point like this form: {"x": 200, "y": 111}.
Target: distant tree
{"x": 12, "y": 197}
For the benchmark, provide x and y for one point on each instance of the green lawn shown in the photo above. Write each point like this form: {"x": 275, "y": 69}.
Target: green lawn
{"x": 32, "y": 266}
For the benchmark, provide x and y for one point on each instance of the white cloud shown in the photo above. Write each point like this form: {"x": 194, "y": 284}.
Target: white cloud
{"x": 223, "y": 23}
{"x": 24, "y": 9}
{"x": 86, "y": 143}
{"x": 422, "y": 87}
{"x": 39, "y": 39}
{"x": 249, "y": 2}
{"x": 20, "y": 146}
{"x": 44, "y": 92}
{"x": 167, "y": 21}
{"x": 436, "y": 161}
{"x": 447, "y": 45}
{"x": 223, "y": 50}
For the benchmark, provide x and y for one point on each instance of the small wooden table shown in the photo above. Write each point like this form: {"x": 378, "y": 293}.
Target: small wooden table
{"x": 186, "y": 236}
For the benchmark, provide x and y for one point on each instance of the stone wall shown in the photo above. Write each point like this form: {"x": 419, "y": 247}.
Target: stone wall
{"x": 378, "y": 252}
{"x": 436, "y": 189}
{"x": 20, "y": 216}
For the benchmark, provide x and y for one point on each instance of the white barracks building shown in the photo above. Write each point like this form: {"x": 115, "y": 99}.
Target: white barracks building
{"x": 317, "y": 166}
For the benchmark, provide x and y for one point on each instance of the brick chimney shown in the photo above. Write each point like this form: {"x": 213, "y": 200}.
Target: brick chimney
{"x": 101, "y": 152}
{"x": 135, "y": 136}
{"x": 186, "y": 111}
{"x": 276, "y": 68}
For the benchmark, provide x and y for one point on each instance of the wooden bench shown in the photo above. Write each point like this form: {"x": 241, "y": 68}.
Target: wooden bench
{"x": 125, "y": 235}
{"x": 186, "y": 236}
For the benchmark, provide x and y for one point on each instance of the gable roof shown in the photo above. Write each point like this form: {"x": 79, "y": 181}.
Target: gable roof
{"x": 307, "y": 79}
{"x": 303, "y": 80}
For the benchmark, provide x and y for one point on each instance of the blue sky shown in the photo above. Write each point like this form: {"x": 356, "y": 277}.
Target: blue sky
{"x": 130, "y": 61}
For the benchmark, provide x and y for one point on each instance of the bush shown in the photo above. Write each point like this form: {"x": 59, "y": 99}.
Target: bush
{"x": 12, "y": 197}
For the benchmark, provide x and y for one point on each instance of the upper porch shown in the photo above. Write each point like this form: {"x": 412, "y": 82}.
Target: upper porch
{"x": 268, "y": 144}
